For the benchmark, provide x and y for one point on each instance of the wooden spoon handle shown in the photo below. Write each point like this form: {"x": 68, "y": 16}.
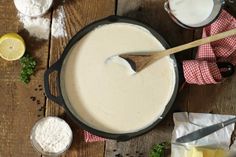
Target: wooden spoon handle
{"x": 196, "y": 43}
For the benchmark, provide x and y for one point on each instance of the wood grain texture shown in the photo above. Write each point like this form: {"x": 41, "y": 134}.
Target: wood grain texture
{"x": 78, "y": 14}
{"x": 20, "y": 105}
{"x": 153, "y": 13}
{"x": 218, "y": 99}
{"x": 140, "y": 146}
{"x": 230, "y": 5}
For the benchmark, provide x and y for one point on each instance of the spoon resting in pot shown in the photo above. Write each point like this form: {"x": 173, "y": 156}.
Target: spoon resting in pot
{"x": 138, "y": 60}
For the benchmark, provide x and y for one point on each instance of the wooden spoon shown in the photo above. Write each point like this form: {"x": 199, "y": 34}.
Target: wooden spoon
{"x": 139, "y": 61}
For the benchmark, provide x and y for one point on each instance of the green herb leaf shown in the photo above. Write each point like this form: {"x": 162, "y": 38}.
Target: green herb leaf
{"x": 159, "y": 149}
{"x": 28, "y": 65}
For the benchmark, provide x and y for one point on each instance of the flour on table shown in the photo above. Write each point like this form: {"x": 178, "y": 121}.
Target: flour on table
{"x": 53, "y": 135}
{"x": 37, "y": 27}
{"x": 58, "y": 24}
{"x": 33, "y": 8}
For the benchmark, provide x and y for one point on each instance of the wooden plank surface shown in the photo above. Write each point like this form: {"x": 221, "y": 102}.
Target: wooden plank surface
{"x": 78, "y": 14}
{"x": 153, "y": 13}
{"x": 18, "y": 111}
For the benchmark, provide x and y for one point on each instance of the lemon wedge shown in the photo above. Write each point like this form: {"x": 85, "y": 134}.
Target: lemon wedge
{"x": 12, "y": 46}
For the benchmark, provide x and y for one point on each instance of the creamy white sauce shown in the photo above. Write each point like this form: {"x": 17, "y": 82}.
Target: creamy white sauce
{"x": 191, "y": 12}
{"x": 106, "y": 97}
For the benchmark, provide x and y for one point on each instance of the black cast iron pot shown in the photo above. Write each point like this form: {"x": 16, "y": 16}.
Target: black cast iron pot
{"x": 63, "y": 100}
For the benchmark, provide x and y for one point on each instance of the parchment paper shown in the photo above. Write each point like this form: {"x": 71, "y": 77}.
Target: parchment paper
{"x": 188, "y": 122}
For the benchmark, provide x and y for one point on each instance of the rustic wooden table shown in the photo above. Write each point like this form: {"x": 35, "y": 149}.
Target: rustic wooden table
{"x": 19, "y": 112}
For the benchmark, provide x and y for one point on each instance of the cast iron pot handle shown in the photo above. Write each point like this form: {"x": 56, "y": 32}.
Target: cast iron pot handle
{"x": 58, "y": 99}
{"x": 227, "y": 69}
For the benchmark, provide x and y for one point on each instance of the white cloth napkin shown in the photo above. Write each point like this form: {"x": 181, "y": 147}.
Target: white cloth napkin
{"x": 188, "y": 122}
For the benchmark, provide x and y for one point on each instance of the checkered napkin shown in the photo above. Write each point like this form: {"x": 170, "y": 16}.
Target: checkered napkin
{"x": 92, "y": 138}
{"x": 204, "y": 70}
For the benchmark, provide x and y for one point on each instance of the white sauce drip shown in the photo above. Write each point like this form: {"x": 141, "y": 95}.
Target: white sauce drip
{"x": 103, "y": 95}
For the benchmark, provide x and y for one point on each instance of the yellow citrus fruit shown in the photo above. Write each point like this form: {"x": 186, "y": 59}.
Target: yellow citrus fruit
{"x": 12, "y": 46}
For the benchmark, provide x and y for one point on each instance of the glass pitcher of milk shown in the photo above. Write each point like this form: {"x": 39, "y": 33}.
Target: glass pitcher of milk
{"x": 193, "y": 14}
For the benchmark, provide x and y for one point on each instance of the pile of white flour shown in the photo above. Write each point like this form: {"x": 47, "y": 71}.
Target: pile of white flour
{"x": 53, "y": 135}
{"x": 39, "y": 27}
{"x": 33, "y": 7}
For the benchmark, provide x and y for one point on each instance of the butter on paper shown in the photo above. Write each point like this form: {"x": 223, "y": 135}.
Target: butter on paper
{"x": 188, "y": 122}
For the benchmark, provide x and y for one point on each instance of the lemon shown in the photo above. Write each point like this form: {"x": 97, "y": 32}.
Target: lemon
{"x": 12, "y": 46}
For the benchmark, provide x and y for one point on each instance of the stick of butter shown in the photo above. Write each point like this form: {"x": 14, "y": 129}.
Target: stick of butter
{"x": 205, "y": 152}
{"x": 196, "y": 153}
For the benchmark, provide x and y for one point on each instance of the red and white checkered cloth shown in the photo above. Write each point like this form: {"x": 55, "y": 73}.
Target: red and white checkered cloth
{"x": 92, "y": 138}
{"x": 204, "y": 70}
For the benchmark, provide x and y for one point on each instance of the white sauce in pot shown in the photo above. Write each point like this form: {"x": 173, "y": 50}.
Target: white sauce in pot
{"x": 106, "y": 96}
{"x": 191, "y": 12}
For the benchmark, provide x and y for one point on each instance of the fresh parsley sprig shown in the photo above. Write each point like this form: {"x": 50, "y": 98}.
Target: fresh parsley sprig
{"x": 159, "y": 149}
{"x": 28, "y": 64}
